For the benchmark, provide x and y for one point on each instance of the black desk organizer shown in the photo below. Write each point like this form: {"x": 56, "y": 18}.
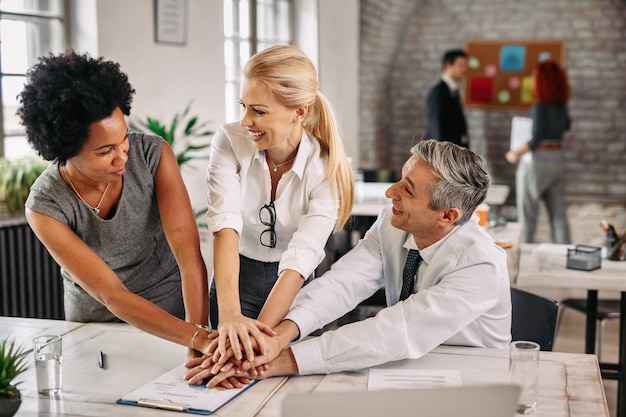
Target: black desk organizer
{"x": 584, "y": 257}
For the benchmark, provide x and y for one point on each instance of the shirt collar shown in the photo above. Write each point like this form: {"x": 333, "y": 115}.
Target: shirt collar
{"x": 426, "y": 253}
{"x": 451, "y": 84}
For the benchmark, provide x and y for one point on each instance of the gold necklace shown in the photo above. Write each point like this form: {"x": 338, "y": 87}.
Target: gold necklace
{"x": 279, "y": 165}
{"x": 95, "y": 209}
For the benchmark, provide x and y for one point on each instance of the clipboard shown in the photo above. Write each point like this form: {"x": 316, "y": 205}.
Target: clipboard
{"x": 171, "y": 392}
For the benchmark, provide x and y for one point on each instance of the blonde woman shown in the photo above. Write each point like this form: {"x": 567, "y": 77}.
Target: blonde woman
{"x": 279, "y": 183}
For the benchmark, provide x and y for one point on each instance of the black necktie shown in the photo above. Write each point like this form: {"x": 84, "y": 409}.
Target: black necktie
{"x": 408, "y": 275}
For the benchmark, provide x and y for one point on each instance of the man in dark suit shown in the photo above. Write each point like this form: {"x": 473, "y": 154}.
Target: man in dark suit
{"x": 446, "y": 120}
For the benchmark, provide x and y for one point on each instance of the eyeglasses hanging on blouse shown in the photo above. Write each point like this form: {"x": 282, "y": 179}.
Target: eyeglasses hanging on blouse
{"x": 267, "y": 216}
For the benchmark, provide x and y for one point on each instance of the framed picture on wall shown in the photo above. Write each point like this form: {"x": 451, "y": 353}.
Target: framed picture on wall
{"x": 170, "y": 21}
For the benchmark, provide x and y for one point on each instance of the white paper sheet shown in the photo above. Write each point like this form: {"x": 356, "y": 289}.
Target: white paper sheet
{"x": 172, "y": 388}
{"x": 521, "y": 131}
{"x": 382, "y": 379}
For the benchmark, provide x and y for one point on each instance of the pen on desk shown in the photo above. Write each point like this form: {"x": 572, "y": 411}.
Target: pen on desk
{"x": 101, "y": 360}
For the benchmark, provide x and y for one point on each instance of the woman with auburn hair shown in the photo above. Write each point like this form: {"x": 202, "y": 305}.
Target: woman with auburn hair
{"x": 279, "y": 182}
{"x": 542, "y": 177}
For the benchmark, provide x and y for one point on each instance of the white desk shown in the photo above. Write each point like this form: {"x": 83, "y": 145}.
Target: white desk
{"x": 544, "y": 266}
{"x": 569, "y": 384}
{"x": 370, "y": 197}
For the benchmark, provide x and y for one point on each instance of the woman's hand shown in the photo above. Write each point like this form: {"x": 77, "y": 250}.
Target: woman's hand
{"x": 237, "y": 331}
{"x": 512, "y": 157}
{"x": 197, "y": 374}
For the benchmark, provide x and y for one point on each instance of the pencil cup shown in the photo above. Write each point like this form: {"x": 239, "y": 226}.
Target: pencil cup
{"x": 47, "y": 350}
{"x": 524, "y": 371}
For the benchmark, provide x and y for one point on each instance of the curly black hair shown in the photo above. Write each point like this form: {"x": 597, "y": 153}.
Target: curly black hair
{"x": 64, "y": 95}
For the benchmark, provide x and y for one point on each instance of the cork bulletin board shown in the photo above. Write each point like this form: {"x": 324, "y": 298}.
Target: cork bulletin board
{"x": 499, "y": 74}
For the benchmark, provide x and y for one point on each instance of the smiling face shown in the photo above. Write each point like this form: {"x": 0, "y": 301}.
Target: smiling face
{"x": 270, "y": 124}
{"x": 411, "y": 198}
{"x": 102, "y": 159}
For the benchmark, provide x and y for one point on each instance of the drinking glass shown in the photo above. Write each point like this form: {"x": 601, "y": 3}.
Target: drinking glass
{"x": 47, "y": 350}
{"x": 524, "y": 371}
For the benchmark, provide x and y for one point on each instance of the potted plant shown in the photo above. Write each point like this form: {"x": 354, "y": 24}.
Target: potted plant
{"x": 16, "y": 178}
{"x": 191, "y": 129}
{"x": 12, "y": 364}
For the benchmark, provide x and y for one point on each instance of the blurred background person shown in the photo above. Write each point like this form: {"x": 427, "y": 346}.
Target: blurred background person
{"x": 444, "y": 112}
{"x": 542, "y": 177}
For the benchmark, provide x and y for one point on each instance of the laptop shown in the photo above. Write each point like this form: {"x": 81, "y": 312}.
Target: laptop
{"x": 468, "y": 401}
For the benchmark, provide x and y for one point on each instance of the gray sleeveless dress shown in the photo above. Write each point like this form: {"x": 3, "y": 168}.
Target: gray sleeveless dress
{"x": 132, "y": 243}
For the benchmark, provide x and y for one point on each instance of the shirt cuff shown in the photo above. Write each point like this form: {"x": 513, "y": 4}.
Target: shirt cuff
{"x": 308, "y": 357}
{"x": 299, "y": 316}
{"x": 225, "y": 221}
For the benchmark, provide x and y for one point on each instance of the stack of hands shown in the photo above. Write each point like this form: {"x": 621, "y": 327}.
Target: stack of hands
{"x": 235, "y": 358}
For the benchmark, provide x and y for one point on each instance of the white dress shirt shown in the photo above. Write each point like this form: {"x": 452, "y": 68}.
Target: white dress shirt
{"x": 463, "y": 299}
{"x": 239, "y": 184}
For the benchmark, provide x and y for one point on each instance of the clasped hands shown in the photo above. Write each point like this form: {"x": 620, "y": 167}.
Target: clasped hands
{"x": 224, "y": 365}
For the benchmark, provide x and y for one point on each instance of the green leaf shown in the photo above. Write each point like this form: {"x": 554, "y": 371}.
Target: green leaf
{"x": 16, "y": 178}
{"x": 12, "y": 364}
{"x": 180, "y": 134}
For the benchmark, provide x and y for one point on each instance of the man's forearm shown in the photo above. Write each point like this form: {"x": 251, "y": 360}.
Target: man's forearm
{"x": 284, "y": 364}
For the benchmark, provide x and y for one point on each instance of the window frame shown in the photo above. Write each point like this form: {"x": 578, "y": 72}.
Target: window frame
{"x": 233, "y": 83}
{"x": 29, "y": 16}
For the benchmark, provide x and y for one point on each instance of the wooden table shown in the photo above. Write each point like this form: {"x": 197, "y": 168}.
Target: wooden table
{"x": 569, "y": 384}
{"x": 543, "y": 265}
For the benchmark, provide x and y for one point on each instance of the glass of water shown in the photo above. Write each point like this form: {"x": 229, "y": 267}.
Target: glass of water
{"x": 47, "y": 350}
{"x": 524, "y": 371}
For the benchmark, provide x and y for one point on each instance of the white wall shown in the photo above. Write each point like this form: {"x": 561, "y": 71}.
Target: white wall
{"x": 166, "y": 77}
{"x": 339, "y": 66}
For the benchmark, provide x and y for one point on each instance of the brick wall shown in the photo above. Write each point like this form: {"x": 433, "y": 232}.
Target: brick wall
{"x": 401, "y": 46}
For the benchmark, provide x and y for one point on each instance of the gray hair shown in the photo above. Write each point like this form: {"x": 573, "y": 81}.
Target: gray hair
{"x": 463, "y": 175}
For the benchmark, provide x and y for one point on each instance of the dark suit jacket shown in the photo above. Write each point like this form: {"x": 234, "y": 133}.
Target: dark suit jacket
{"x": 445, "y": 117}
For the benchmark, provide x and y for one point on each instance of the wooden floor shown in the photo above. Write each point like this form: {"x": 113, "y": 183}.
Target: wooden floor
{"x": 570, "y": 337}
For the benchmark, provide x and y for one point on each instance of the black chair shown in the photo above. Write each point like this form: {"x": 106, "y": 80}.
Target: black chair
{"x": 607, "y": 309}
{"x": 533, "y": 318}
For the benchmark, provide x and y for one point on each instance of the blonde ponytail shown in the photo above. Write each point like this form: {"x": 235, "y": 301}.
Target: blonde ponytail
{"x": 320, "y": 124}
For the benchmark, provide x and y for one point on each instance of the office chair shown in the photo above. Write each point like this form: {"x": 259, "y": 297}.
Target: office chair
{"x": 607, "y": 309}
{"x": 533, "y": 318}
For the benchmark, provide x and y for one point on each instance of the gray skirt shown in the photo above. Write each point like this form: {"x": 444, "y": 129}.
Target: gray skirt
{"x": 256, "y": 280}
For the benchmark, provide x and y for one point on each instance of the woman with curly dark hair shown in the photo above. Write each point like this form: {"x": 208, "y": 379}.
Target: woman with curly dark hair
{"x": 112, "y": 208}
{"x": 542, "y": 177}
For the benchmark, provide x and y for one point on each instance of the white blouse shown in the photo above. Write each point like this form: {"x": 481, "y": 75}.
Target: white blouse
{"x": 239, "y": 184}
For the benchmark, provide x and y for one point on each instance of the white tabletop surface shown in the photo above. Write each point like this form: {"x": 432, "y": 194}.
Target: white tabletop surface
{"x": 569, "y": 384}
{"x": 543, "y": 265}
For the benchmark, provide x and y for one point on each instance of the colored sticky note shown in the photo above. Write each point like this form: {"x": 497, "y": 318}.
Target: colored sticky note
{"x": 481, "y": 89}
{"x": 490, "y": 70}
{"x": 512, "y": 57}
{"x": 544, "y": 56}
{"x": 473, "y": 62}
{"x": 504, "y": 96}
{"x": 514, "y": 83}
{"x": 526, "y": 92}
